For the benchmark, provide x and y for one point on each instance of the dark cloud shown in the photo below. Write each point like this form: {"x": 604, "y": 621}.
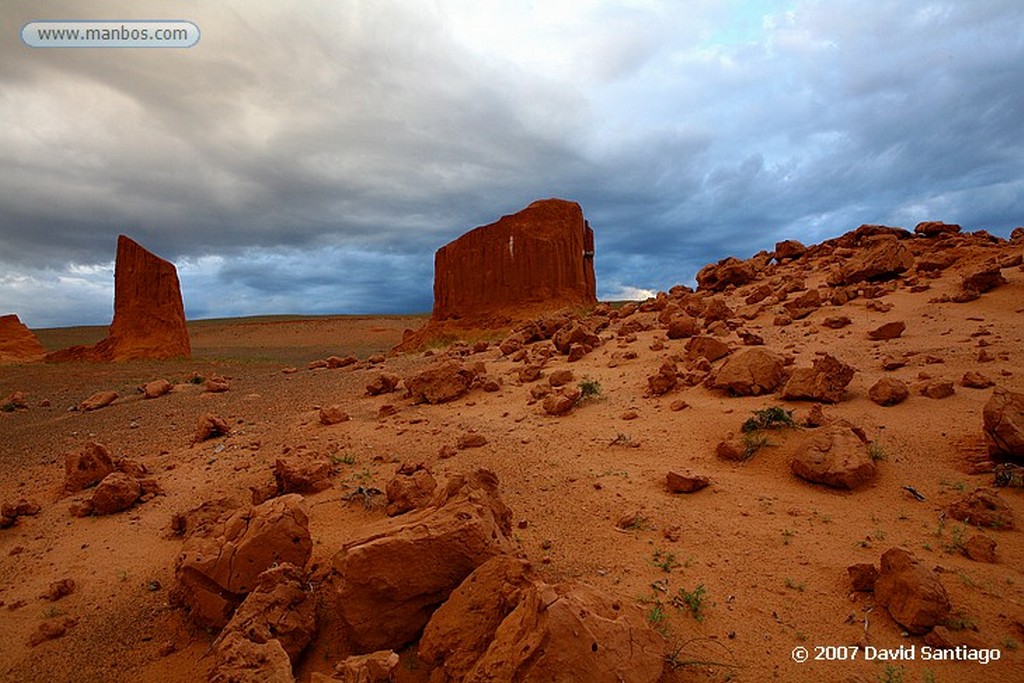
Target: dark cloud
{"x": 312, "y": 160}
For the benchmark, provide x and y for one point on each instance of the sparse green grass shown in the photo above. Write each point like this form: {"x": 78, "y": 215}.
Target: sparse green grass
{"x": 878, "y": 534}
{"x": 769, "y": 418}
{"x": 51, "y": 612}
{"x": 752, "y": 443}
{"x": 691, "y": 600}
{"x": 956, "y": 539}
{"x": 657, "y": 618}
{"x": 347, "y": 459}
{"x": 959, "y": 621}
{"x": 891, "y": 674}
{"x": 877, "y": 451}
{"x": 589, "y": 389}
{"x": 928, "y": 676}
{"x": 641, "y": 523}
{"x": 665, "y": 561}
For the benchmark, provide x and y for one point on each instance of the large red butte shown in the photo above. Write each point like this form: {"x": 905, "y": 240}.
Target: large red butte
{"x": 542, "y": 256}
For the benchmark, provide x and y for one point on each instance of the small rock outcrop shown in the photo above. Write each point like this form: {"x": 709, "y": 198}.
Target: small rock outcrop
{"x": 834, "y": 456}
{"x": 392, "y": 575}
{"x": 825, "y": 381}
{"x": 751, "y": 373}
{"x": 220, "y": 563}
{"x": 149, "y": 316}
{"x": 884, "y": 257}
{"x": 1003, "y": 417}
{"x": 914, "y": 597}
{"x": 17, "y": 343}
{"x": 503, "y": 624}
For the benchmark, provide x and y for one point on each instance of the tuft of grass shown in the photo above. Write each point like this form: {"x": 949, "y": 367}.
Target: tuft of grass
{"x": 786, "y": 535}
{"x": 956, "y": 539}
{"x": 665, "y": 561}
{"x": 891, "y": 674}
{"x": 9, "y": 407}
{"x": 1010, "y": 643}
{"x": 657, "y": 618}
{"x": 692, "y": 601}
{"x": 589, "y": 389}
{"x": 752, "y": 443}
{"x": 877, "y": 451}
{"x": 769, "y": 418}
{"x": 347, "y": 459}
{"x": 960, "y": 621}
{"x": 623, "y": 440}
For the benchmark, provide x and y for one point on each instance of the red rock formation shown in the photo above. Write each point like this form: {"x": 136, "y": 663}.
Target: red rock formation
{"x": 540, "y": 255}
{"x": 149, "y": 317}
{"x": 17, "y": 343}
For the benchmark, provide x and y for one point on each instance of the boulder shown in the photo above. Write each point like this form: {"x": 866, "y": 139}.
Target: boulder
{"x": 560, "y": 404}
{"x": 936, "y": 228}
{"x": 883, "y": 257}
{"x": 240, "y": 660}
{"x": 980, "y": 548}
{"x": 825, "y": 381}
{"x": 1003, "y": 422}
{"x": 17, "y": 343}
{"x": 440, "y": 383}
{"x": 890, "y": 330}
{"x": 973, "y": 379}
{"x": 116, "y": 492}
{"x": 149, "y": 317}
{"x": 789, "y": 249}
{"x": 303, "y": 474}
{"x": 502, "y": 624}
{"x": 391, "y": 575}
{"x": 685, "y": 482}
{"x": 101, "y": 399}
{"x": 376, "y": 667}
{"x": 412, "y": 487}
{"x": 220, "y": 564}
{"x": 683, "y": 327}
{"x": 706, "y": 347}
{"x": 983, "y": 280}
{"x": 937, "y": 389}
{"x": 156, "y": 388}
{"x": 279, "y": 608}
{"x": 751, "y": 373}
{"x": 803, "y": 305}
{"x": 888, "y": 391}
{"x": 560, "y": 378}
{"x": 86, "y": 467}
{"x": 914, "y": 596}
{"x": 210, "y": 426}
{"x": 716, "y": 277}
{"x": 384, "y": 383}
{"x": 333, "y": 414}
{"x": 542, "y": 256}
{"x": 664, "y": 380}
{"x": 576, "y": 334}
{"x": 983, "y": 508}
{"x": 834, "y": 456}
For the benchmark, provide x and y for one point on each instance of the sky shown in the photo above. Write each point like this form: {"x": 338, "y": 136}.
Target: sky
{"x": 311, "y": 157}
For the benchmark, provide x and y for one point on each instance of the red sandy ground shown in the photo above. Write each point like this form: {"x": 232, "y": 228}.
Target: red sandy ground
{"x": 770, "y": 550}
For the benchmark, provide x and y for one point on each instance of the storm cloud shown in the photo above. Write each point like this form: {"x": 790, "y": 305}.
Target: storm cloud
{"x": 310, "y": 158}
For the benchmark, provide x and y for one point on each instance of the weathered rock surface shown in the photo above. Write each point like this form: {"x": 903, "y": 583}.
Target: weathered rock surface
{"x": 384, "y": 383}
{"x": 17, "y": 343}
{"x": 542, "y": 255}
{"x": 982, "y": 508}
{"x": 240, "y": 660}
{"x": 751, "y": 373}
{"x": 824, "y": 381}
{"x": 885, "y": 258}
{"x": 888, "y": 391}
{"x": 890, "y": 330}
{"x": 936, "y": 228}
{"x": 156, "y": 388}
{"x": 279, "y": 608}
{"x": 86, "y": 466}
{"x": 303, "y": 473}
{"x": 116, "y": 492}
{"x": 219, "y": 565}
{"x": 834, "y": 456}
{"x": 101, "y": 399}
{"x": 209, "y": 426}
{"x": 914, "y": 596}
{"x": 333, "y": 414}
{"x": 412, "y": 487}
{"x": 502, "y": 624}
{"x": 376, "y": 667}
{"x": 685, "y": 482}
{"x": 392, "y": 575}
{"x": 149, "y": 317}
{"x": 441, "y": 383}
{"x": 1003, "y": 420}
{"x": 716, "y": 277}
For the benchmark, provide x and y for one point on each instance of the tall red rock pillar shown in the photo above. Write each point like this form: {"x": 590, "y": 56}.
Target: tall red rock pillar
{"x": 540, "y": 257}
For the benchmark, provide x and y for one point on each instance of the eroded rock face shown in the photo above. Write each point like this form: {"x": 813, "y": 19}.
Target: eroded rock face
{"x": 17, "y": 343}
{"x": 86, "y": 466}
{"x": 1003, "y": 417}
{"x": 884, "y": 258}
{"x": 751, "y": 373}
{"x": 393, "y": 574}
{"x": 240, "y": 660}
{"x": 834, "y": 456}
{"x": 502, "y": 624}
{"x": 118, "y": 491}
{"x": 888, "y": 391}
{"x": 149, "y": 317}
{"x": 219, "y": 564}
{"x": 824, "y": 381}
{"x": 279, "y": 608}
{"x": 540, "y": 255}
{"x": 440, "y": 383}
{"x": 912, "y": 594}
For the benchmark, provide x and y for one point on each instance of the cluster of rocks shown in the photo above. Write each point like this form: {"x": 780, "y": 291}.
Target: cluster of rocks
{"x": 429, "y": 572}
{"x": 114, "y": 485}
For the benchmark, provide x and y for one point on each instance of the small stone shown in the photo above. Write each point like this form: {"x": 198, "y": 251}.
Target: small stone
{"x": 686, "y": 482}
